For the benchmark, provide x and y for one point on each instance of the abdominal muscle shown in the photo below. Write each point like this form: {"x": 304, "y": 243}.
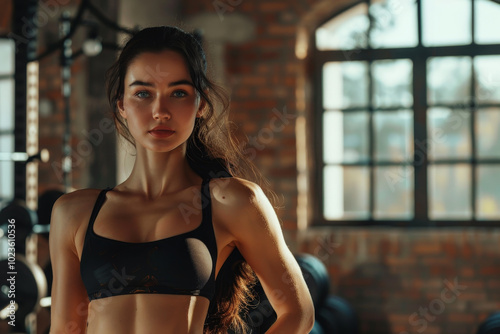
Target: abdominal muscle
{"x": 147, "y": 314}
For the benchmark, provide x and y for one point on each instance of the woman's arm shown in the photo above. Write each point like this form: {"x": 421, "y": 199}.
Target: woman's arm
{"x": 69, "y": 306}
{"x": 249, "y": 216}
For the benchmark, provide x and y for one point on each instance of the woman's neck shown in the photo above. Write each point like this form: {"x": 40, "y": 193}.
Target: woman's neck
{"x": 155, "y": 174}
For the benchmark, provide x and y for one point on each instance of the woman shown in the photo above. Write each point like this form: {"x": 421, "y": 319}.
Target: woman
{"x": 135, "y": 258}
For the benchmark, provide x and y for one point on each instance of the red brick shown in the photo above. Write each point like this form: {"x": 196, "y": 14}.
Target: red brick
{"x": 467, "y": 251}
{"x": 461, "y": 317}
{"x": 473, "y": 296}
{"x": 253, "y": 80}
{"x": 467, "y": 272}
{"x": 273, "y": 6}
{"x": 282, "y": 30}
{"x": 440, "y": 270}
{"x": 242, "y": 92}
{"x": 437, "y": 261}
{"x": 427, "y": 248}
{"x": 494, "y": 283}
{"x": 450, "y": 248}
{"x": 396, "y": 261}
{"x": 490, "y": 270}
{"x": 247, "y": 6}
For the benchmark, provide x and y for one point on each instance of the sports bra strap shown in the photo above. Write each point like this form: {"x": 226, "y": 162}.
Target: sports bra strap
{"x": 205, "y": 200}
{"x": 97, "y": 206}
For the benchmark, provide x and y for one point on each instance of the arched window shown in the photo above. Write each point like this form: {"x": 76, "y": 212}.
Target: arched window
{"x": 407, "y": 113}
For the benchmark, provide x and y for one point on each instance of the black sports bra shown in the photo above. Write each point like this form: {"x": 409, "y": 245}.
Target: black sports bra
{"x": 183, "y": 264}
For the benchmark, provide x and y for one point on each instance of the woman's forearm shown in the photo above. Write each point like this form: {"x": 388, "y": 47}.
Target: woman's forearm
{"x": 292, "y": 324}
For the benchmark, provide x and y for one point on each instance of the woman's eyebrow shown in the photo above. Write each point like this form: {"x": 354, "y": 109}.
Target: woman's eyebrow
{"x": 181, "y": 82}
{"x": 141, "y": 83}
{"x": 150, "y": 84}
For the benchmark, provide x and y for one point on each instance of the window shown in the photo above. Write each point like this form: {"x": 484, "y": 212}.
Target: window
{"x": 408, "y": 113}
{"x": 7, "y": 53}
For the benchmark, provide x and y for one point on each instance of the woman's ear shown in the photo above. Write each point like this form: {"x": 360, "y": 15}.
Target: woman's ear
{"x": 201, "y": 108}
{"x": 203, "y": 104}
{"x": 119, "y": 105}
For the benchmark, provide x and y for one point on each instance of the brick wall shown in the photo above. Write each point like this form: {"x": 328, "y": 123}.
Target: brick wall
{"x": 415, "y": 281}
{"x": 393, "y": 277}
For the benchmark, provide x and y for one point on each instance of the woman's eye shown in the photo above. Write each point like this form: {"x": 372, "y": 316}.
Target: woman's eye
{"x": 180, "y": 93}
{"x": 142, "y": 94}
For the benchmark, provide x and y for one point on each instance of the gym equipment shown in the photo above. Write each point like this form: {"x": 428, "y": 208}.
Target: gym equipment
{"x": 24, "y": 219}
{"x": 260, "y": 315}
{"x": 45, "y": 204}
{"x": 316, "y": 277}
{"x": 317, "y": 329}
{"x": 491, "y": 325}
{"x": 337, "y": 316}
{"x": 26, "y": 289}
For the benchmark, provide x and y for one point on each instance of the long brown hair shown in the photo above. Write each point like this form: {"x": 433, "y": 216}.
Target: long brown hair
{"x": 212, "y": 151}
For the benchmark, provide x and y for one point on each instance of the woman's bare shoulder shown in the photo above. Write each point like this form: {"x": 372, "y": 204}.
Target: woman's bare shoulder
{"x": 234, "y": 191}
{"x": 75, "y": 206}
{"x": 77, "y": 199}
{"x": 234, "y": 199}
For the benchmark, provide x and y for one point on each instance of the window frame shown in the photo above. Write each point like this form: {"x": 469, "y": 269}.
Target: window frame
{"x": 419, "y": 56}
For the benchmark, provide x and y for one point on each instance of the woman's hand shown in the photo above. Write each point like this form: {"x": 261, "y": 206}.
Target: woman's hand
{"x": 249, "y": 216}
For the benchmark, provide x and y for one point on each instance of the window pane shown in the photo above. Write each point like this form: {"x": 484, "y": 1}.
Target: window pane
{"x": 449, "y": 191}
{"x": 488, "y": 192}
{"x": 6, "y": 105}
{"x": 446, "y": 22}
{"x": 6, "y": 143}
{"x": 448, "y": 131}
{"x": 486, "y": 22}
{"x": 394, "y": 23}
{"x": 487, "y": 70}
{"x": 7, "y": 51}
{"x": 393, "y": 133}
{"x": 346, "y": 31}
{"x": 6, "y": 180}
{"x": 6, "y": 169}
{"x": 392, "y": 83}
{"x": 448, "y": 80}
{"x": 488, "y": 128}
{"x": 394, "y": 192}
{"x": 345, "y": 137}
{"x": 346, "y": 192}
{"x": 345, "y": 84}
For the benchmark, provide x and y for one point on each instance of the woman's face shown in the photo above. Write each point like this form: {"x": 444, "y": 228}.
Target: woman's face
{"x": 159, "y": 102}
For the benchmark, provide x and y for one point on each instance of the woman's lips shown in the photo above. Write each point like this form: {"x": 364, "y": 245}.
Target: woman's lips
{"x": 161, "y": 133}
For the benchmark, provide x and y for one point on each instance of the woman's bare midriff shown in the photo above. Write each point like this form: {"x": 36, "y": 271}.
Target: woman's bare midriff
{"x": 147, "y": 314}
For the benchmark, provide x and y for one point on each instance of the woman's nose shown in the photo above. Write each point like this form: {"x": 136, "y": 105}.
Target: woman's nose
{"x": 161, "y": 110}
